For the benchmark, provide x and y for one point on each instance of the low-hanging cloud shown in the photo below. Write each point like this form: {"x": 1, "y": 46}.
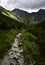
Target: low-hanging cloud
{"x": 25, "y": 4}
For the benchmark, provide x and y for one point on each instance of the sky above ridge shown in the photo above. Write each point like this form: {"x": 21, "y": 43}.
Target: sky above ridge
{"x": 27, "y": 5}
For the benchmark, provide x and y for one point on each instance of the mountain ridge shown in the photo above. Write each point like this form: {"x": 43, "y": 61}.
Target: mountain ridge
{"x": 19, "y": 11}
{"x": 36, "y": 16}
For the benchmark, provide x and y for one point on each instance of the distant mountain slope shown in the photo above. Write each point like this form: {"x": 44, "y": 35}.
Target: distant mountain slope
{"x": 38, "y": 16}
{"x": 19, "y": 13}
{"x": 23, "y": 16}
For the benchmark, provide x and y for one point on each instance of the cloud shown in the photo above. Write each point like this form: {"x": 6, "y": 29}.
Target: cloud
{"x": 3, "y": 2}
{"x": 23, "y": 4}
{"x": 27, "y": 4}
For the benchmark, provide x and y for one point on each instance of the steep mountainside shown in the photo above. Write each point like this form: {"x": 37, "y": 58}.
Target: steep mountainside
{"x": 8, "y": 19}
{"x": 19, "y": 13}
{"x": 22, "y": 15}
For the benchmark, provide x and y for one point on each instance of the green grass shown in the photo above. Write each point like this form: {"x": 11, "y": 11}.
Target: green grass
{"x": 34, "y": 44}
{"x": 6, "y": 40}
{"x": 31, "y": 50}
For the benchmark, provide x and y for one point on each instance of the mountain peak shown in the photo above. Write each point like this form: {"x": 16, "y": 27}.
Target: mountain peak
{"x": 20, "y": 13}
{"x": 16, "y": 9}
{"x": 41, "y": 10}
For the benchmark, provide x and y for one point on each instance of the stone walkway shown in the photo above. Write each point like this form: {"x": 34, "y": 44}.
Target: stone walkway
{"x": 15, "y": 54}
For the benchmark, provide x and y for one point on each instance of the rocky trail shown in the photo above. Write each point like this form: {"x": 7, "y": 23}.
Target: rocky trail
{"x": 15, "y": 54}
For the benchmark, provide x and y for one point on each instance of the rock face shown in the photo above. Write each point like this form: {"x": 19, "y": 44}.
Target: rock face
{"x": 15, "y": 54}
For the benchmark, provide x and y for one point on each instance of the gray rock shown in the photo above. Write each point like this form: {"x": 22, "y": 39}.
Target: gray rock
{"x": 20, "y": 51}
{"x": 10, "y": 53}
{"x": 11, "y": 63}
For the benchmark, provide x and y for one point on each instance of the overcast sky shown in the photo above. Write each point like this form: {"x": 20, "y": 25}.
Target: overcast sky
{"x": 27, "y": 5}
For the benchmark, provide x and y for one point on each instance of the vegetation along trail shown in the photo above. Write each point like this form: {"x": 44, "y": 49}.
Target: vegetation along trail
{"x": 15, "y": 54}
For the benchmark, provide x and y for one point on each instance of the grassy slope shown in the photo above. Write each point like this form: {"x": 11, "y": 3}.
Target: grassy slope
{"x": 31, "y": 50}
{"x": 9, "y": 27}
{"x": 6, "y": 40}
{"x": 8, "y": 19}
{"x": 8, "y": 13}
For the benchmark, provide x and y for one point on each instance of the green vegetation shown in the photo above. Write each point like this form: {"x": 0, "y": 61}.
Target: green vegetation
{"x": 6, "y": 40}
{"x": 8, "y": 23}
{"x": 34, "y": 43}
{"x": 8, "y": 13}
{"x": 31, "y": 50}
{"x": 33, "y": 38}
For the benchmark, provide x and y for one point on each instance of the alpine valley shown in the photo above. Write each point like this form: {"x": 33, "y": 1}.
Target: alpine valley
{"x": 22, "y": 37}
